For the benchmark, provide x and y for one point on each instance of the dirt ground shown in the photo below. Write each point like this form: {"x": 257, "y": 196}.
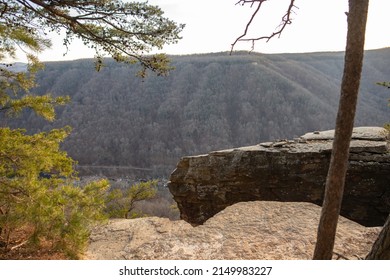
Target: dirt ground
{"x": 27, "y": 251}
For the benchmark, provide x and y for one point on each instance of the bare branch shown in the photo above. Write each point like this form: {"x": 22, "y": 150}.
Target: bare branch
{"x": 240, "y": 38}
{"x": 4, "y": 9}
{"x": 286, "y": 20}
{"x": 18, "y": 245}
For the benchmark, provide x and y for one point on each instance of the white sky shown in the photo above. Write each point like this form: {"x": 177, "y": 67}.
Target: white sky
{"x": 213, "y": 25}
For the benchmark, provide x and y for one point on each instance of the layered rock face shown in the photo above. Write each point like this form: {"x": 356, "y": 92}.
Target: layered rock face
{"x": 247, "y": 230}
{"x": 288, "y": 170}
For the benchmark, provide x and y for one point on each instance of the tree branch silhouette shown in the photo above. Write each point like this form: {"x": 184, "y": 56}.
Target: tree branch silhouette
{"x": 286, "y": 20}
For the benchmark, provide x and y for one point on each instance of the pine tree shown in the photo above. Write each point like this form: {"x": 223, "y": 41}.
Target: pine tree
{"x": 121, "y": 203}
{"x": 36, "y": 177}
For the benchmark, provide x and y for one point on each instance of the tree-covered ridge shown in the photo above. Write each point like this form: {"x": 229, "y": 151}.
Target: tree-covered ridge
{"x": 209, "y": 102}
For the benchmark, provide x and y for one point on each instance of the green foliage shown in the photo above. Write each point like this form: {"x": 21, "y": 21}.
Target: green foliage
{"x": 121, "y": 202}
{"x": 42, "y": 105}
{"x": 124, "y": 30}
{"x": 26, "y": 198}
{"x": 15, "y": 86}
{"x": 384, "y": 84}
{"x": 36, "y": 190}
{"x": 15, "y": 92}
{"x": 81, "y": 208}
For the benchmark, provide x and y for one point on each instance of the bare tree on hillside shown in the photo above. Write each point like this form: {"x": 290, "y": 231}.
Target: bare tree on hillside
{"x": 356, "y": 17}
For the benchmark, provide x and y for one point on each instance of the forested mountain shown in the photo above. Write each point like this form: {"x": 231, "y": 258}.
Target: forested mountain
{"x": 209, "y": 102}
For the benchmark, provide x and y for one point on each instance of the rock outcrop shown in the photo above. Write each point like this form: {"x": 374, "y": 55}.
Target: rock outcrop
{"x": 286, "y": 170}
{"x": 247, "y": 230}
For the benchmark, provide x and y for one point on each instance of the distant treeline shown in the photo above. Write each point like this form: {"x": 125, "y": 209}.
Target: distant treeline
{"x": 209, "y": 102}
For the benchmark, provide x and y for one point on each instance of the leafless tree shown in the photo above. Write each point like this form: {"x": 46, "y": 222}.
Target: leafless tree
{"x": 334, "y": 188}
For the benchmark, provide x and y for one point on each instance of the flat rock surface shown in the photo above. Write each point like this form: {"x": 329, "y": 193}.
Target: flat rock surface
{"x": 360, "y": 133}
{"x": 246, "y": 230}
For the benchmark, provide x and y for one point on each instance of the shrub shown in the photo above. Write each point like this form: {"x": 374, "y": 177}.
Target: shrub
{"x": 121, "y": 202}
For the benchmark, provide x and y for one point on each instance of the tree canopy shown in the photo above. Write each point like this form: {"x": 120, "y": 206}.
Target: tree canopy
{"x": 126, "y": 31}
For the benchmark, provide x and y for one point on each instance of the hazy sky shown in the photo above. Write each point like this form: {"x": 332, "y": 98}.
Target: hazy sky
{"x": 213, "y": 25}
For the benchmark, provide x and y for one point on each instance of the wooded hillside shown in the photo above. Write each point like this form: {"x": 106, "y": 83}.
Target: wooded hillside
{"x": 211, "y": 101}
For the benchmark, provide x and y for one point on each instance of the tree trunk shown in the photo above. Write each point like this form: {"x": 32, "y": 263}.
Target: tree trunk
{"x": 381, "y": 248}
{"x": 334, "y": 187}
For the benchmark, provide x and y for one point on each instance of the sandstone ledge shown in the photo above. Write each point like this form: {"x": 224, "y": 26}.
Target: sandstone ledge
{"x": 286, "y": 170}
{"x": 247, "y": 230}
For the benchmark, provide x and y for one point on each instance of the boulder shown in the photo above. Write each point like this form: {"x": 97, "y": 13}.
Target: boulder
{"x": 286, "y": 170}
{"x": 247, "y": 230}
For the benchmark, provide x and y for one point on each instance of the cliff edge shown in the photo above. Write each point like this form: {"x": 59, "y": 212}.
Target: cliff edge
{"x": 289, "y": 171}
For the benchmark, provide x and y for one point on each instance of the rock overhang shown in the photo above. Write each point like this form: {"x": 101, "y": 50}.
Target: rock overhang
{"x": 286, "y": 170}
